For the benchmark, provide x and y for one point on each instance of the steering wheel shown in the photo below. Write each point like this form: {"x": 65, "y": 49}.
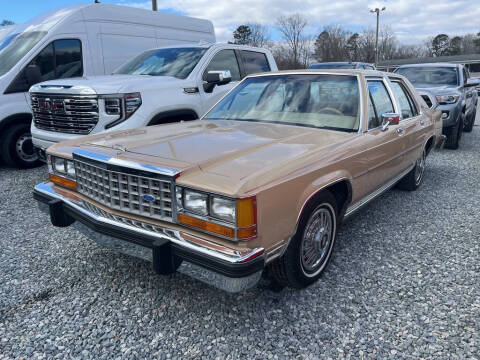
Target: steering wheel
{"x": 330, "y": 110}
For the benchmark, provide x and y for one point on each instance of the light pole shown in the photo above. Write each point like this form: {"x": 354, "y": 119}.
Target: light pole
{"x": 377, "y": 10}
{"x": 154, "y": 5}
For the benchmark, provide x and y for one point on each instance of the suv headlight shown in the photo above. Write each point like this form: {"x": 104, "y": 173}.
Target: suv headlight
{"x": 234, "y": 219}
{"x": 447, "y": 99}
{"x": 123, "y": 106}
{"x": 62, "y": 171}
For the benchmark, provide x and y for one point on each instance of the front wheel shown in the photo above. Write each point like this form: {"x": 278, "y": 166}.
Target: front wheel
{"x": 17, "y": 147}
{"x": 453, "y": 139}
{"x": 414, "y": 178}
{"x": 468, "y": 125}
{"x": 310, "y": 249}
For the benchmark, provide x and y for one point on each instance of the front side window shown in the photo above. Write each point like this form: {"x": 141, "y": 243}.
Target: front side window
{"x": 380, "y": 103}
{"x": 176, "y": 62}
{"x": 407, "y": 108}
{"x": 254, "y": 62}
{"x": 224, "y": 60}
{"x": 58, "y": 60}
{"x": 430, "y": 76}
{"x": 16, "y": 48}
{"x": 317, "y": 100}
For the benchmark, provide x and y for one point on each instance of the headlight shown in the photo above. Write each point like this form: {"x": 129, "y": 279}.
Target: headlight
{"x": 235, "y": 219}
{"x": 195, "y": 202}
{"x": 447, "y": 99}
{"x": 61, "y": 171}
{"x": 61, "y": 166}
{"x": 223, "y": 209}
{"x": 123, "y": 106}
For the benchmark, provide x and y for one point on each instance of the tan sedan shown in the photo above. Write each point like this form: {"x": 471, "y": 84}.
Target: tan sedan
{"x": 262, "y": 180}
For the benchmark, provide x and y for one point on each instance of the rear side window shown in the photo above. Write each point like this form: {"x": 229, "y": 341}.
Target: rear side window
{"x": 254, "y": 62}
{"x": 407, "y": 107}
{"x": 224, "y": 60}
{"x": 380, "y": 103}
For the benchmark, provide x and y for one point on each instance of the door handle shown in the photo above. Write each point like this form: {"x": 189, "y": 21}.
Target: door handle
{"x": 400, "y": 130}
{"x": 422, "y": 122}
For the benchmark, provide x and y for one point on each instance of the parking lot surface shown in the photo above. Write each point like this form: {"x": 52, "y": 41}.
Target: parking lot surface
{"x": 404, "y": 282}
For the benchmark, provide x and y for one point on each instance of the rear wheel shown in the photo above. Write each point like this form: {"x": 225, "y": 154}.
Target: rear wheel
{"x": 414, "y": 178}
{"x": 310, "y": 249}
{"x": 17, "y": 147}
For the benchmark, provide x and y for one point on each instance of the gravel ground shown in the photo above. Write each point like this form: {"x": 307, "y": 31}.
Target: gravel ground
{"x": 404, "y": 282}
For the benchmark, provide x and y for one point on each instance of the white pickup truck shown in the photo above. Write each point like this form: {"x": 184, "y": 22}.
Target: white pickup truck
{"x": 158, "y": 86}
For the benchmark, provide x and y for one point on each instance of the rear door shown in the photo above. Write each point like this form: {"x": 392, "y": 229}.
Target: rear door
{"x": 413, "y": 125}
{"x": 253, "y": 62}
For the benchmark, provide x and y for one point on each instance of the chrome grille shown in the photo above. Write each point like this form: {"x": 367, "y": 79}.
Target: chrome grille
{"x": 65, "y": 114}
{"x": 140, "y": 195}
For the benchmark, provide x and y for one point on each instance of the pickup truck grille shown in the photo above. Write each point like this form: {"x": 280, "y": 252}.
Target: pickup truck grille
{"x": 65, "y": 114}
{"x": 140, "y": 195}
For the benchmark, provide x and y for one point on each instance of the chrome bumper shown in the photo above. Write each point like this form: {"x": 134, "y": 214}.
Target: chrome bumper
{"x": 229, "y": 269}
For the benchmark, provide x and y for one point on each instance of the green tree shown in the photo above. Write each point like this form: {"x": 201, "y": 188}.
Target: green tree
{"x": 353, "y": 46}
{"x": 6, "y": 22}
{"x": 242, "y": 35}
{"x": 455, "y": 46}
{"x": 440, "y": 45}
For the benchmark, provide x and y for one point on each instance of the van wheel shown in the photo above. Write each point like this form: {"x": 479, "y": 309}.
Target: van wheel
{"x": 414, "y": 178}
{"x": 17, "y": 148}
{"x": 310, "y": 249}
{"x": 453, "y": 140}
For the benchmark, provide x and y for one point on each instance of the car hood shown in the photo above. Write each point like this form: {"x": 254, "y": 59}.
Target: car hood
{"x": 216, "y": 154}
{"x": 105, "y": 84}
{"x": 437, "y": 90}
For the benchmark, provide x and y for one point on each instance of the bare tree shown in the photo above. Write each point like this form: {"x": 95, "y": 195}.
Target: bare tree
{"x": 292, "y": 29}
{"x": 259, "y": 35}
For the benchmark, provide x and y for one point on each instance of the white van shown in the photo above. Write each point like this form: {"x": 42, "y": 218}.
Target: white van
{"x": 77, "y": 41}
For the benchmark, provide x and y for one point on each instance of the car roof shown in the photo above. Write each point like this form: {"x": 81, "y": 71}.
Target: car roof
{"x": 429, "y": 65}
{"x": 328, "y": 71}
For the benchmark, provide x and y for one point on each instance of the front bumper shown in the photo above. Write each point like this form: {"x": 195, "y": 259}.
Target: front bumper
{"x": 229, "y": 269}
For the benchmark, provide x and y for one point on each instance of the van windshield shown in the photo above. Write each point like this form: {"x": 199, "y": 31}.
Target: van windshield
{"x": 176, "y": 62}
{"x": 13, "y": 49}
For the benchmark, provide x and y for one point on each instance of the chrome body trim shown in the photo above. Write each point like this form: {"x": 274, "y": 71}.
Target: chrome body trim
{"x": 128, "y": 164}
{"x": 367, "y": 199}
{"x": 153, "y": 230}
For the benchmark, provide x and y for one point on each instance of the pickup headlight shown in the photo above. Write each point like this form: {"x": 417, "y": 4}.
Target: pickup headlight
{"x": 234, "y": 219}
{"x": 123, "y": 106}
{"x": 447, "y": 99}
{"x": 61, "y": 171}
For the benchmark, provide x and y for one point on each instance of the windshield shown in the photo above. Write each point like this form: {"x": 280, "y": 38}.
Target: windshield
{"x": 177, "y": 62}
{"x": 431, "y": 76}
{"x": 13, "y": 49}
{"x": 332, "y": 66}
{"x": 320, "y": 101}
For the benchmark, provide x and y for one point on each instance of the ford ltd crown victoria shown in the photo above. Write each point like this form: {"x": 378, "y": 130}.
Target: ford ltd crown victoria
{"x": 263, "y": 180}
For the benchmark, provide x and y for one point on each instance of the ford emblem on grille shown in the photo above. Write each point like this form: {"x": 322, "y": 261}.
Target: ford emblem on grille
{"x": 148, "y": 197}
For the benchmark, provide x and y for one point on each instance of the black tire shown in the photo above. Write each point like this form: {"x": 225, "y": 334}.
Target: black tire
{"x": 17, "y": 148}
{"x": 468, "y": 125}
{"x": 414, "y": 178}
{"x": 291, "y": 269}
{"x": 453, "y": 139}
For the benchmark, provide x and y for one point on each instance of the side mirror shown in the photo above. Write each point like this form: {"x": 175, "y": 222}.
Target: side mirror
{"x": 390, "y": 119}
{"x": 216, "y": 78}
{"x": 33, "y": 74}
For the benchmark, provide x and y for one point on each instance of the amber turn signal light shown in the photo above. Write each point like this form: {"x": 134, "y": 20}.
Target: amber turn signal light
{"x": 247, "y": 218}
{"x": 206, "y": 226}
{"x": 63, "y": 181}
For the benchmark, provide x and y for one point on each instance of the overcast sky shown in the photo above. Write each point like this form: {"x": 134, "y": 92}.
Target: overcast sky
{"x": 411, "y": 20}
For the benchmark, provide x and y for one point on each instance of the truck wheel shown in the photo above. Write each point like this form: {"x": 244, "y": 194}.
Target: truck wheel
{"x": 310, "y": 249}
{"x": 468, "y": 126}
{"x": 453, "y": 140}
{"x": 17, "y": 147}
{"x": 414, "y": 178}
